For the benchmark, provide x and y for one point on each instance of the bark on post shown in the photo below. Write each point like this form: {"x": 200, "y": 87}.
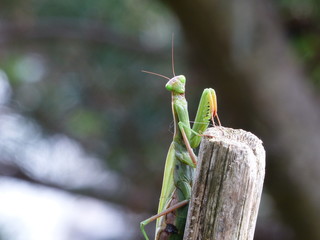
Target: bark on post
{"x": 227, "y": 186}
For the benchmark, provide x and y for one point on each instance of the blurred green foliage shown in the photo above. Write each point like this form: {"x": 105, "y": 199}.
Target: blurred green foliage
{"x": 91, "y": 88}
{"x": 92, "y": 91}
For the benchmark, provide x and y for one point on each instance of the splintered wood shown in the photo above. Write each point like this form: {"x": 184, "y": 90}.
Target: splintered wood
{"x": 227, "y": 186}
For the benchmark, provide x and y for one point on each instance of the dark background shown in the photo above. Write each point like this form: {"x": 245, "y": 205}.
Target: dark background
{"x": 79, "y": 119}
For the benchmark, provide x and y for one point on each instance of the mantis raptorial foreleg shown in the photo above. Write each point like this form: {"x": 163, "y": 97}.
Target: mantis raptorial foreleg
{"x": 207, "y": 110}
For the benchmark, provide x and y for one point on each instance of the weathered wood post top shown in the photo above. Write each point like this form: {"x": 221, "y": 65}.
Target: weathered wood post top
{"x": 227, "y": 186}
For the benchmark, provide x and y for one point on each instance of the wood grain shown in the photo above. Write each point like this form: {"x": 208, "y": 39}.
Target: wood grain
{"x": 227, "y": 187}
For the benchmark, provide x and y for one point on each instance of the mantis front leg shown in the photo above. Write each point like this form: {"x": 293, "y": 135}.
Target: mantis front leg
{"x": 207, "y": 110}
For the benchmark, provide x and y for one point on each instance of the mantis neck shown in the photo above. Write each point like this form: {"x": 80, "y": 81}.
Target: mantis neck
{"x": 179, "y": 103}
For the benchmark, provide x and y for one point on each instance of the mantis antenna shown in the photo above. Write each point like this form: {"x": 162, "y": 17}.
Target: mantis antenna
{"x": 172, "y": 54}
{"x": 172, "y": 63}
{"x": 157, "y": 74}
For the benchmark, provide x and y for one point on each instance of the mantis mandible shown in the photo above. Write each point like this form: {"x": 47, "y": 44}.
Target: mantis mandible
{"x": 181, "y": 160}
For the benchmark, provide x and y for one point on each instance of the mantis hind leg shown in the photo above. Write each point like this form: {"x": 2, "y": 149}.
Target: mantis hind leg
{"x": 151, "y": 219}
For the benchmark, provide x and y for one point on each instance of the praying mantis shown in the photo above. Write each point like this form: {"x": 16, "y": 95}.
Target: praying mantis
{"x": 181, "y": 159}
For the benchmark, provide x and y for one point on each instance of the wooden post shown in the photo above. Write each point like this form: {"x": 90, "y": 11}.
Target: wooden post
{"x": 227, "y": 186}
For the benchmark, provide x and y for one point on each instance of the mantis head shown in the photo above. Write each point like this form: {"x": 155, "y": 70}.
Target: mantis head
{"x": 176, "y": 84}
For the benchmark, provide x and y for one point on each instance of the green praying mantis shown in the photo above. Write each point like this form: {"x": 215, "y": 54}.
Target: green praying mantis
{"x": 181, "y": 159}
